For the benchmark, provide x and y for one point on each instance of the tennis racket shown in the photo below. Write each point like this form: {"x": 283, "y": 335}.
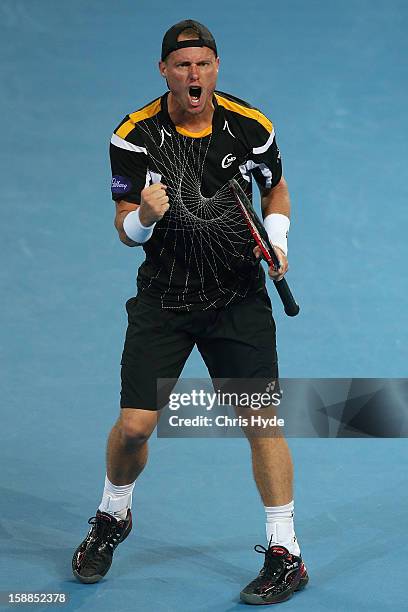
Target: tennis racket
{"x": 260, "y": 236}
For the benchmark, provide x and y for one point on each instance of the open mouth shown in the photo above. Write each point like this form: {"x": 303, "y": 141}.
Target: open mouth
{"x": 195, "y": 94}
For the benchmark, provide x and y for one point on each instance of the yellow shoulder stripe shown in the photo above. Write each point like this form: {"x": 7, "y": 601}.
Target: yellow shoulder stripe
{"x": 246, "y": 112}
{"x": 145, "y": 113}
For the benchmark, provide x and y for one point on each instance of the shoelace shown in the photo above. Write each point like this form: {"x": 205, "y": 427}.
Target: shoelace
{"x": 104, "y": 530}
{"x": 272, "y": 564}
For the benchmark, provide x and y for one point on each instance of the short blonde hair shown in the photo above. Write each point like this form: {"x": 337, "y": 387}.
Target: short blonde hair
{"x": 189, "y": 34}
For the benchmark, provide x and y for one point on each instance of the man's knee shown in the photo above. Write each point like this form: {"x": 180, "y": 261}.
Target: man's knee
{"x": 136, "y": 426}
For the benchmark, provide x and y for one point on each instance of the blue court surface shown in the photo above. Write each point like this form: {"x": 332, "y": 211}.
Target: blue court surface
{"x": 333, "y": 78}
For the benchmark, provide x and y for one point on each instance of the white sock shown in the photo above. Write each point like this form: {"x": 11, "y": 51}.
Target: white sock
{"x": 280, "y": 528}
{"x": 116, "y": 499}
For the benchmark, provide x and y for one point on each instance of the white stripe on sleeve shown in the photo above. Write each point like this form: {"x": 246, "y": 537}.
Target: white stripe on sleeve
{"x": 124, "y": 144}
{"x": 265, "y": 147}
{"x": 250, "y": 165}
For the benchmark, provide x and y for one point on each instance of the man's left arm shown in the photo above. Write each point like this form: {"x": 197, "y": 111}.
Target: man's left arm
{"x": 276, "y": 202}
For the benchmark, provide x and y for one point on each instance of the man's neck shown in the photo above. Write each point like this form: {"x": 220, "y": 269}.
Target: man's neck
{"x": 192, "y": 123}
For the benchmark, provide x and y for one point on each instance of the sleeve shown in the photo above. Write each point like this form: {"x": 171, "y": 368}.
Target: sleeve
{"x": 264, "y": 161}
{"x": 129, "y": 163}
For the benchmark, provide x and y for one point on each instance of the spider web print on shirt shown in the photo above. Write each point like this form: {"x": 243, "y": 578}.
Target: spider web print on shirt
{"x": 205, "y": 237}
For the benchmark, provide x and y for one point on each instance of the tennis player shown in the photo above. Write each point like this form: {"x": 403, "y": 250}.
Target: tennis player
{"x": 198, "y": 285}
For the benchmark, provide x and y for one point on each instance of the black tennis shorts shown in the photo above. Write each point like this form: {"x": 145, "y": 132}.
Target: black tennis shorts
{"x": 236, "y": 341}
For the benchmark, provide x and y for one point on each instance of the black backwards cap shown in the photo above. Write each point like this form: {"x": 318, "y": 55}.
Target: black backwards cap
{"x": 170, "y": 43}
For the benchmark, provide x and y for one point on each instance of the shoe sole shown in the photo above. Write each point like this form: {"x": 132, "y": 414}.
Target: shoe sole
{"x": 257, "y": 600}
{"x": 88, "y": 579}
{"x": 96, "y": 577}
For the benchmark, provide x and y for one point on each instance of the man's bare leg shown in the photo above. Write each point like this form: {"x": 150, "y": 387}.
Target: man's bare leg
{"x": 283, "y": 571}
{"x": 273, "y": 474}
{"x": 273, "y": 470}
{"x": 127, "y": 448}
{"x": 126, "y": 458}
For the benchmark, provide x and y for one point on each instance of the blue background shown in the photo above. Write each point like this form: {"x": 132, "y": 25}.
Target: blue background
{"x": 332, "y": 76}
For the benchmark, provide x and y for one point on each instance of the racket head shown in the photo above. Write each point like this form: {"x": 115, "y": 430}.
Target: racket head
{"x": 255, "y": 225}
{"x": 260, "y": 236}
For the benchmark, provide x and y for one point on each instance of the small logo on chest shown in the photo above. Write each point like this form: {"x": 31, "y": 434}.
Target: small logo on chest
{"x": 228, "y": 160}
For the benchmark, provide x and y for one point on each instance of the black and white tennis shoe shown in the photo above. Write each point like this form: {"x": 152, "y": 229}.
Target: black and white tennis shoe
{"x": 93, "y": 557}
{"x": 282, "y": 574}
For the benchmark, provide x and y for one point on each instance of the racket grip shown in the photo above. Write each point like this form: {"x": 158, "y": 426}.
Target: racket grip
{"x": 290, "y": 306}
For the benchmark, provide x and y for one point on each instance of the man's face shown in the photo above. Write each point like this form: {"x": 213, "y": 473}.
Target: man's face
{"x": 191, "y": 75}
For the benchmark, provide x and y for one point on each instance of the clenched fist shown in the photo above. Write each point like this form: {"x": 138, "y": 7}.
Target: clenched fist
{"x": 154, "y": 204}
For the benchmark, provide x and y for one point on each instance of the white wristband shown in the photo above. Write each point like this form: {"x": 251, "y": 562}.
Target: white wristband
{"x": 277, "y": 228}
{"x": 135, "y": 230}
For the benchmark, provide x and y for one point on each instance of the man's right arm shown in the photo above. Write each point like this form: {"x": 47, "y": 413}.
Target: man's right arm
{"x": 154, "y": 203}
{"x": 122, "y": 209}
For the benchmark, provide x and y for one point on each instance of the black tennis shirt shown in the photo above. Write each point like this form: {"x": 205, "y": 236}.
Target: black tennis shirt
{"x": 200, "y": 255}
